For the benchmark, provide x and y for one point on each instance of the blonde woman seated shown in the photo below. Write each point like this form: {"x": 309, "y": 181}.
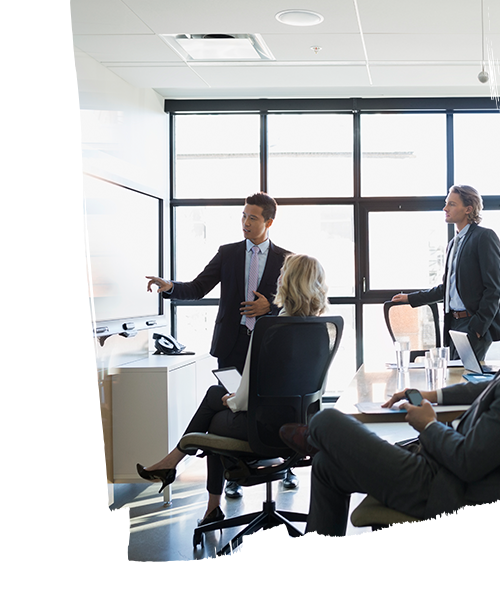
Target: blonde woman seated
{"x": 301, "y": 292}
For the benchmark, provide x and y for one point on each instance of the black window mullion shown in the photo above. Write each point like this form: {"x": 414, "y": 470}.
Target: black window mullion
{"x": 264, "y": 151}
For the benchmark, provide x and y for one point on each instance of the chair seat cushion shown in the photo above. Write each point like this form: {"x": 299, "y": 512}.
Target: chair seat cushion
{"x": 210, "y": 441}
{"x": 372, "y": 512}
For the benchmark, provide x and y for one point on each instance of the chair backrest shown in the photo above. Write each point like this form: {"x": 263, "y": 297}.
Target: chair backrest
{"x": 420, "y": 325}
{"x": 289, "y": 364}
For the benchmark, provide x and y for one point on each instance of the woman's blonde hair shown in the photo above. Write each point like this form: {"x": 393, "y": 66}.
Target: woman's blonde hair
{"x": 302, "y": 290}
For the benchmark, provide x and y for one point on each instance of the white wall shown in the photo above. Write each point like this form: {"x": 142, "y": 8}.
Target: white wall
{"x": 124, "y": 129}
{"x": 124, "y": 140}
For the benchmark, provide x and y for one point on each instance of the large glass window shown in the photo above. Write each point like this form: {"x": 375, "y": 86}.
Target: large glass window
{"x": 406, "y": 249}
{"x": 217, "y": 156}
{"x": 358, "y": 185}
{"x": 491, "y": 220}
{"x": 344, "y": 364}
{"x": 325, "y": 232}
{"x": 195, "y": 327}
{"x": 199, "y": 231}
{"x": 378, "y": 348}
{"x": 403, "y": 154}
{"x": 477, "y": 151}
{"x": 310, "y": 155}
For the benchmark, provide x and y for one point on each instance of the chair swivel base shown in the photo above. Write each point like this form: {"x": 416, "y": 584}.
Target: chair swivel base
{"x": 265, "y": 519}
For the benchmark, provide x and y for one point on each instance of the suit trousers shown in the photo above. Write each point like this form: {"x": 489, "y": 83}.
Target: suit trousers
{"x": 352, "y": 458}
{"x": 480, "y": 345}
{"x": 213, "y": 417}
{"x": 237, "y": 356}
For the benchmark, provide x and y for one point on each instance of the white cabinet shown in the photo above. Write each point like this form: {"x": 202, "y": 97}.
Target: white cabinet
{"x": 153, "y": 400}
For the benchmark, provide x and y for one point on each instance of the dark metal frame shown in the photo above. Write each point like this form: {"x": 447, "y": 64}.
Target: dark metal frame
{"x": 362, "y": 205}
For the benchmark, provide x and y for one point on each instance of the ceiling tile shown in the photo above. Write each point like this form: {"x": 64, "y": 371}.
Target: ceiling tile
{"x": 428, "y": 75}
{"x": 420, "y": 16}
{"x": 148, "y": 76}
{"x": 104, "y": 16}
{"x": 126, "y": 48}
{"x": 298, "y": 46}
{"x": 239, "y": 16}
{"x": 263, "y": 76}
{"x": 428, "y": 47}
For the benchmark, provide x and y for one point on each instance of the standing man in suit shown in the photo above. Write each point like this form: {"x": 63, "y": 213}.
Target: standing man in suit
{"x": 238, "y": 306}
{"x": 446, "y": 470}
{"x": 471, "y": 282}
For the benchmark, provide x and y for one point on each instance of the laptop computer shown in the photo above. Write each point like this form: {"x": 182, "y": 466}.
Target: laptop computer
{"x": 468, "y": 355}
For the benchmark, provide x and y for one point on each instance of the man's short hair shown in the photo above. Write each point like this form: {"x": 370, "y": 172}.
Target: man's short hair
{"x": 266, "y": 202}
{"x": 470, "y": 197}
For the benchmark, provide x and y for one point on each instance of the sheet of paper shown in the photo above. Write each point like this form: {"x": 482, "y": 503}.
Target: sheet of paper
{"x": 375, "y": 408}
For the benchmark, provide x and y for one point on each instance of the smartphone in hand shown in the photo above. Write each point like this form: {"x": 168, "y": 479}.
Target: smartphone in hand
{"x": 414, "y": 397}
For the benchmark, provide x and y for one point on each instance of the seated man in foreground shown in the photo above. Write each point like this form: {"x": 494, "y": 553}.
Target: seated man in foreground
{"x": 448, "y": 469}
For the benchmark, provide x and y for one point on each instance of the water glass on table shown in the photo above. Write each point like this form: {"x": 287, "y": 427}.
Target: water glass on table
{"x": 441, "y": 352}
{"x": 402, "y": 349}
{"x": 435, "y": 371}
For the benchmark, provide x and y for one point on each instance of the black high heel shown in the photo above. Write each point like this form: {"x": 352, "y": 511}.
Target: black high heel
{"x": 212, "y": 517}
{"x": 166, "y": 476}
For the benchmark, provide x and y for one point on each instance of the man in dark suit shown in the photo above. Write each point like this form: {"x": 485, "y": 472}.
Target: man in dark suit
{"x": 471, "y": 283}
{"x": 230, "y": 267}
{"x": 446, "y": 470}
{"x": 238, "y": 305}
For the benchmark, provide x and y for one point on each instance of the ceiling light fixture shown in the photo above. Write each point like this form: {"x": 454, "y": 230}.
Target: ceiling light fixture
{"x": 218, "y": 46}
{"x": 483, "y": 76}
{"x": 299, "y": 18}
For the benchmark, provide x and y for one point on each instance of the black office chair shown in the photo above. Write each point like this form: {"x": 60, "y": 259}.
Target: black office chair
{"x": 290, "y": 358}
{"x": 420, "y": 324}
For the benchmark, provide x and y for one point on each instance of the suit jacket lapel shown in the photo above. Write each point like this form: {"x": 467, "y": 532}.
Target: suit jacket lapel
{"x": 239, "y": 262}
{"x": 465, "y": 240}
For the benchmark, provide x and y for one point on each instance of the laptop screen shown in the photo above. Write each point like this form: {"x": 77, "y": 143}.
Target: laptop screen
{"x": 466, "y": 351}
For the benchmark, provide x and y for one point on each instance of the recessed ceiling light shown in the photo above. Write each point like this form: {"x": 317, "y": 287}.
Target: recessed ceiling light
{"x": 219, "y": 49}
{"x": 218, "y": 46}
{"x": 299, "y": 18}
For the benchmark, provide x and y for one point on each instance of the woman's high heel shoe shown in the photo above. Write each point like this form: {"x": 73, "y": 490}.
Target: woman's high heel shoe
{"x": 166, "y": 476}
{"x": 212, "y": 517}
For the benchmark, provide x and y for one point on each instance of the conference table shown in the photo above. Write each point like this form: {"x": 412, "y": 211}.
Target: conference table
{"x": 372, "y": 386}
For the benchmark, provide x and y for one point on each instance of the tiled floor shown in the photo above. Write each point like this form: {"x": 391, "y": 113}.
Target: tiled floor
{"x": 165, "y": 533}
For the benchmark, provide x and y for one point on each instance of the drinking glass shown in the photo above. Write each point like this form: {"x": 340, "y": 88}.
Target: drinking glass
{"x": 402, "y": 349}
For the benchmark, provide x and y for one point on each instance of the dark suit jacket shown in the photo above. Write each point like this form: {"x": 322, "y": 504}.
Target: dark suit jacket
{"x": 478, "y": 281}
{"x": 467, "y": 461}
{"x": 228, "y": 268}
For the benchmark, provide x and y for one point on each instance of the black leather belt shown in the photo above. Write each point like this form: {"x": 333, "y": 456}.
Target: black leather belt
{"x": 245, "y": 328}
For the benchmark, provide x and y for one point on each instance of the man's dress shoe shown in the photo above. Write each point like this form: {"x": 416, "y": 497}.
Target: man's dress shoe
{"x": 232, "y": 490}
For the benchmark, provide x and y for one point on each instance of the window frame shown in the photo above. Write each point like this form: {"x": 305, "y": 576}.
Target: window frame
{"x": 362, "y": 206}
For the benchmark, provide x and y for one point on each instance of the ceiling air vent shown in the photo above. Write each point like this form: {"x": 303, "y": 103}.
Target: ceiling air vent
{"x": 218, "y": 46}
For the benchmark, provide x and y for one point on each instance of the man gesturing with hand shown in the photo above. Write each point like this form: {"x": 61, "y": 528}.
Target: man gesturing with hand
{"x": 241, "y": 298}
{"x": 248, "y": 272}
